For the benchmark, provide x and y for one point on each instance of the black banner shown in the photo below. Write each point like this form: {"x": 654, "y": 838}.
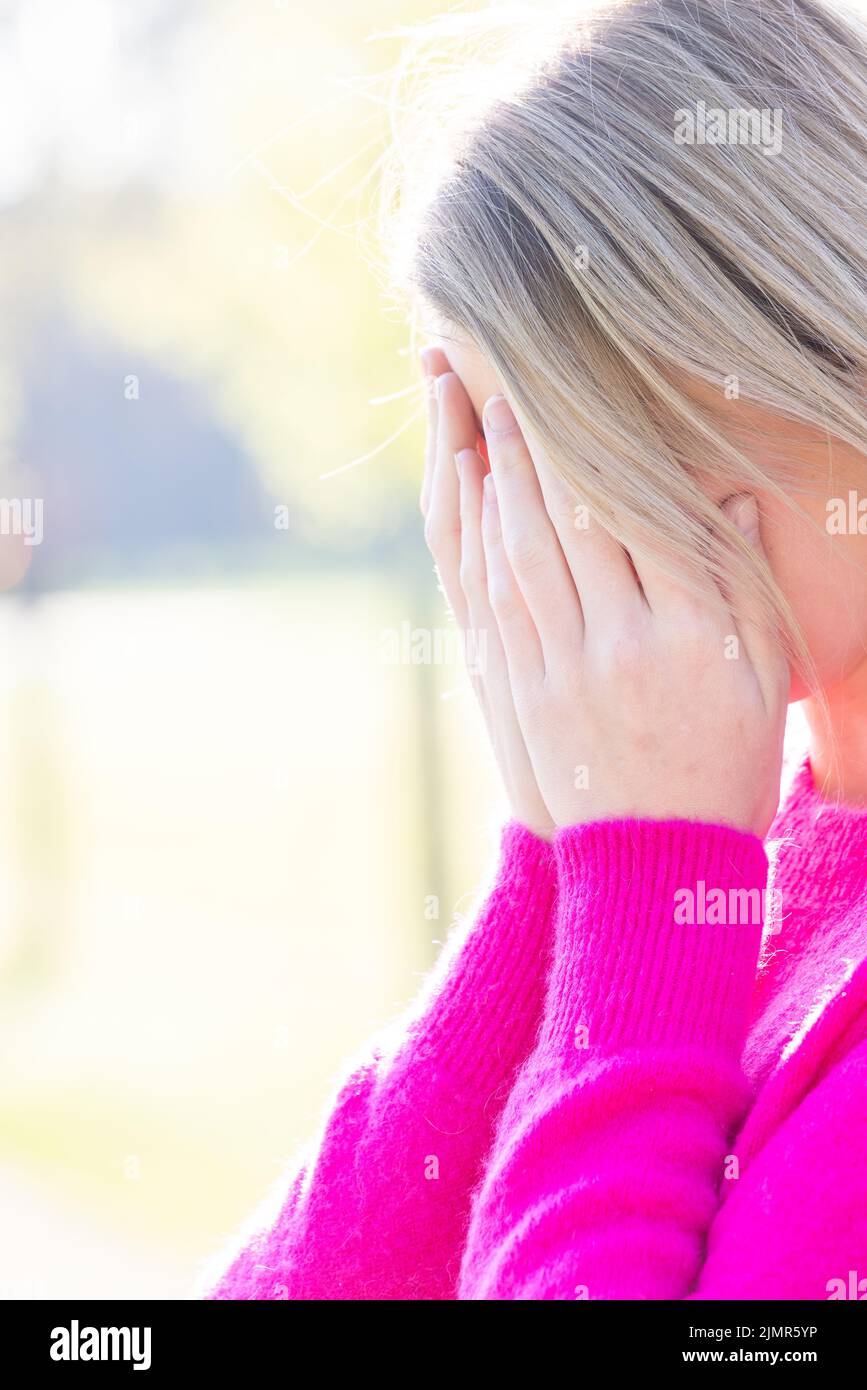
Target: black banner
{"x": 156, "y": 1339}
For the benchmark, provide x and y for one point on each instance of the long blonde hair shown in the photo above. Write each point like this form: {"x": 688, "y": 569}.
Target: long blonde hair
{"x": 540, "y": 200}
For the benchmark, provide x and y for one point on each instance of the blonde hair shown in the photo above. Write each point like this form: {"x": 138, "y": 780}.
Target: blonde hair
{"x": 718, "y": 261}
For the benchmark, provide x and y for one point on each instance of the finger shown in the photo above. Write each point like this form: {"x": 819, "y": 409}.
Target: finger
{"x": 471, "y": 474}
{"x": 530, "y": 542}
{"x": 607, "y": 586}
{"x": 433, "y": 363}
{"x": 456, "y": 430}
{"x": 487, "y": 644}
{"x": 495, "y": 690}
{"x": 671, "y": 598}
{"x": 520, "y": 638}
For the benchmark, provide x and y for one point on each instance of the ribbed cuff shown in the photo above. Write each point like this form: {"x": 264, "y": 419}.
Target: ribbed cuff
{"x": 657, "y": 937}
{"x": 486, "y": 1015}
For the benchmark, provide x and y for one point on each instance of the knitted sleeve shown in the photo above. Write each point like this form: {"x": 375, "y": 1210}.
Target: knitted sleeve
{"x": 380, "y": 1210}
{"x": 794, "y": 1225}
{"x": 605, "y": 1174}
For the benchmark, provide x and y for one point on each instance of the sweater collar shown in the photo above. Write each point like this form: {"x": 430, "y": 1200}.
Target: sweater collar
{"x": 817, "y": 847}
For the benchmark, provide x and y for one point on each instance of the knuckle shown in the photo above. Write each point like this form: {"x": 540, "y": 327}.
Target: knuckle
{"x": 697, "y": 641}
{"x": 438, "y": 533}
{"x": 509, "y": 450}
{"x": 623, "y": 655}
{"x": 503, "y": 597}
{"x": 470, "y": 575}
{"x": 526, "y": 550}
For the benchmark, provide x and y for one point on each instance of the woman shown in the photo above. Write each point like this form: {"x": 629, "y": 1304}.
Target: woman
{"x": 647, "y": 263}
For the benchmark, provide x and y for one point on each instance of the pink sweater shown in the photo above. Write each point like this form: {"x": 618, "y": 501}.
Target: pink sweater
{"x": 597, "y": 1099}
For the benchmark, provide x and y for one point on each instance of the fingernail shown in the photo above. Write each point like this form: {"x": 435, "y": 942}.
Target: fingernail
{"x": 462, "y": 457}
{"x": 499, "y": 416}
{"x": 426, "y": 358}
{"x": 743, "y": 512}
{"x": 489, "y": 491}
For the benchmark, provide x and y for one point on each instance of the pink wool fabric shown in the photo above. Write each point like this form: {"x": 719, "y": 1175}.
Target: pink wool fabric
{"x": 595, "y": 1099}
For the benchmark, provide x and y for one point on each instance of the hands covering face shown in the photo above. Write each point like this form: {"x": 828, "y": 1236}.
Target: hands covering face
{"x": 609, "y": 689}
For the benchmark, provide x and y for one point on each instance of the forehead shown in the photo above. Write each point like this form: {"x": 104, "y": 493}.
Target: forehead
{"x": 478, "y": 376}
{"x": 757, "y": 431}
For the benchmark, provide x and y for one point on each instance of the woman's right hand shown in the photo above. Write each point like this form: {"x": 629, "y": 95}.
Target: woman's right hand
{"x": 451, "y": 503}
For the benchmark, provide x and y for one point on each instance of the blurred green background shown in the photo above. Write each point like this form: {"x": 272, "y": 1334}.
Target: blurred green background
{"x": 223, "y": 816}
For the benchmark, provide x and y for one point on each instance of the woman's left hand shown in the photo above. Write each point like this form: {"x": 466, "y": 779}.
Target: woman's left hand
{"x": 636, "y": 697}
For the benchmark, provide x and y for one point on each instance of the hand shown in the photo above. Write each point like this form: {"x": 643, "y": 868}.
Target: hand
{"x": 635, "y": 696}
{"x": 452, "y": 509}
